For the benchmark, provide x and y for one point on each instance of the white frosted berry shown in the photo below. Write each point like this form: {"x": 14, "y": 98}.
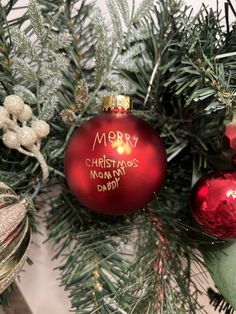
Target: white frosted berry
{"x": 14, "y": 104}
{"x": 4, "y": 116}
{"x": 25, "y": 114}
{"x": 26, "y": 136}
{"x": 10, "y": 140}
{"x": 41, "y": 128}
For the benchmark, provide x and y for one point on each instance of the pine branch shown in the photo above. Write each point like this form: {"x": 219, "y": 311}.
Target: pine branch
{"x": 219, "y": 303}
{"x": 178, "y": 59}
{"x": 116, "y": 22}
{"x": 6, "y": 79}
{"x": 105, "y": 61}
{"x": 25, "y": 70}
{"x": 60, "y": 41}
{"x": 5, "y": 296}
{"x": 123, "y": 7}
{"x": 144, "y": 7}
{"x": 39, "y": 68}
{"x": 37, "y": 20}
{"x": 99, "y": 281}
{"x": 25, "y": 94}
{"x": 18, "y": 174}
{"x": 102, "y": 56}
{"x": 23, "y": 43}
{"x": 49, "y": 107}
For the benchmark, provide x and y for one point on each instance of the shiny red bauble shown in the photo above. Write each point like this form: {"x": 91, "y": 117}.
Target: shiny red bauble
{"x": 114, "y": 163}
{"x": 213, "y": 204}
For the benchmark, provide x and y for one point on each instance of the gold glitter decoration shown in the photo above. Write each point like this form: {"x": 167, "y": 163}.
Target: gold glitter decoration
{"x": 112, "y": 102}
{"x": 68, "y": 116}
{"x": 14, "y": 235}
{"x": 80, "y": 95}
{"x": 25, "y": 139}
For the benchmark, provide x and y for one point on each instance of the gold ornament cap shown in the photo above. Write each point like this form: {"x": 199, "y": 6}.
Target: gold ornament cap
{"x": 117, "y": 103}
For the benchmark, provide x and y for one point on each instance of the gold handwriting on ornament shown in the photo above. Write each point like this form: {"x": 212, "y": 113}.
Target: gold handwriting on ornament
{"x": 104, "y": 162}
{"x": 110, "y": 185}
{"x": 115, "y": 169}
{"x": 102, "y": 175}
{"x": 107, "y": 174}
{"x": 114, "y": 136}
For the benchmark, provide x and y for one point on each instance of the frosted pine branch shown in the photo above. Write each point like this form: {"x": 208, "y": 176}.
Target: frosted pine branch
{"x": 53, "y": 64}
{"x": 25, "y": 70}
{"x": 117, "y": 32}
{"x": 59, "y": 41}
{"x": 121, "y": 85}
{"x": 144, "y": 7}
{"x": 23, "y": 44}
{"x": 102, "y": 54}
{"x": 139, "y": 34}
{"x": 25, "y": 94}
{"x": 37, "y": 20}
{"x": 49, "y": 108}
{"x": 51, "y": 87}
{"x": 128, "y": 60}
{"x": 123, "y": 6}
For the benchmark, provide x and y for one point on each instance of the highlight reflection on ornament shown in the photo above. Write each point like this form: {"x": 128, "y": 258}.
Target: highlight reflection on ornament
{"x": 122, "y": 148}
{"x": 231, "y": 193}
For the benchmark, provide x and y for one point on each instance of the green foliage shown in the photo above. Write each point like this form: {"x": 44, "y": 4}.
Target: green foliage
{"x": 39, "y": 80}
{"x": 116, "y": 21}
{"x": 6, "y": 79}
{"x": 123, "y": 7}
{"x": 109, "y": 47}
{"x": 143, "y": 9}
{"x": 40, "y": 67}
{"x": 181, "y": 69}
{"x": 37, "y": 21}
{"x": 92, "y": 271}
{"x": 103, "y": 52}
{"x": 23, "y": 43}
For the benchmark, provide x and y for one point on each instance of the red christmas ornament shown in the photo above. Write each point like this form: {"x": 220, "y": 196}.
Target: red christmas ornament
{"x": 214, "y": 204}
{"x": 115, "y": 162}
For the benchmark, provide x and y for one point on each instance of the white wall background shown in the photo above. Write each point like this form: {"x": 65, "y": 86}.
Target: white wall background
{"x": 196, "y": 4}
{"x": 39, "y": 284}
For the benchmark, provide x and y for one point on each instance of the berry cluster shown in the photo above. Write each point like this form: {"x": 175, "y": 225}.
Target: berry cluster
{"x": 26, "y": 139}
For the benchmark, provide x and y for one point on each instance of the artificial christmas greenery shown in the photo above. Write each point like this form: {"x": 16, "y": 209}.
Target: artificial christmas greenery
{"x": 61, "y": 58}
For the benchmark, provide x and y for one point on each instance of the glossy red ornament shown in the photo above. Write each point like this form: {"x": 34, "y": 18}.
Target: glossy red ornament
{"x": 115, "y": 162}
{"x": 213, "y": 204}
